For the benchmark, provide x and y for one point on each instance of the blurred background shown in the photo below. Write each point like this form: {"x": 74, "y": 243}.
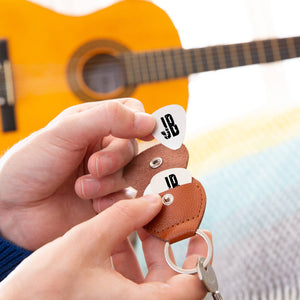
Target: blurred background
{"x": 217, "y": 97}
{"x": 243, "y": 129}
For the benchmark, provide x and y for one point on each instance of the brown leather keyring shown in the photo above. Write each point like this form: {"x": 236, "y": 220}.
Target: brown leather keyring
{"x": 163, "y": 168}
{"x": 181, "y": 214}
{"x": 184, "y": 205}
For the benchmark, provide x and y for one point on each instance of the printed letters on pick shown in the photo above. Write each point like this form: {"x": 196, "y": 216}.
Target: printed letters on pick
{"x": 170, "y": 126}
{"x": 169, "y": 179}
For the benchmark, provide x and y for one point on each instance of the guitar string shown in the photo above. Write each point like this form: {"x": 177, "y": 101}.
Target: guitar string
{"x": 159, "y": 69}
{"x": 270, "y": 55}
{"x": 259, "y": 49}
{"x": 295, "y": 40}
{"x": 267, "y": 48}
{"x": 283, "y": 51}
{"x": 268, "y": 51}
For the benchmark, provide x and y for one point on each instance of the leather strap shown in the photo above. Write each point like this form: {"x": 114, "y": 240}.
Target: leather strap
{"x": 138, "y": 172}
{"x": 181, "y": 219}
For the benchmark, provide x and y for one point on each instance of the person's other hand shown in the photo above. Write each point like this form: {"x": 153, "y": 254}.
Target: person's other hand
{"x": 56, "y": 178}
{"x": 92, "y": 261}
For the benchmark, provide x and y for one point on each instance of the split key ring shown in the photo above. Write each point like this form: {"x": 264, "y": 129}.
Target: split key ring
{"x": 194, "y": 270}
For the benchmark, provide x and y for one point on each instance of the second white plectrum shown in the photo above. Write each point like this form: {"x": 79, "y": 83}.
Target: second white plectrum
{"x": 147, "y": 190}
{"x": 170, "y": 126}
{"x": 169, "y": 179}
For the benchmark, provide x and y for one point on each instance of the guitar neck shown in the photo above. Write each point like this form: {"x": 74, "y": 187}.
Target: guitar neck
{"x": 174, "y": 63}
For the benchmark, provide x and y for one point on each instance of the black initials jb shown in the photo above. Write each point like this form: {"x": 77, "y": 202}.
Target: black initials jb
{"x": 171, "y": 181}
{"x": 171, "y": 129}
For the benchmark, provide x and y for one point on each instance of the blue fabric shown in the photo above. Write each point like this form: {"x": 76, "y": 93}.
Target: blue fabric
{"x": 253, "y": 211}
{"x": 10, "y": 257}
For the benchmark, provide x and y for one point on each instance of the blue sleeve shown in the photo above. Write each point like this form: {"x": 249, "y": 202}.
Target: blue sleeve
{"x": 10, "y": 256}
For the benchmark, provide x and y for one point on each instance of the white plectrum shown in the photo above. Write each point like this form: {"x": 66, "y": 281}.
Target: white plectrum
{"x": 170, "y": 126}
{"x": 148, "y": 190}
{"x": 169, "y": 179}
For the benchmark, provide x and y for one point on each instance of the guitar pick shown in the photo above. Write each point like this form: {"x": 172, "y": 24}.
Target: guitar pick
{"x": 170, "y": 126}
{"x": 148, "y": 190}
{"x": 169, "y": 179}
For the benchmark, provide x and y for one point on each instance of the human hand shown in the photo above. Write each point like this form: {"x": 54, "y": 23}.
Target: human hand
{"x": 57, "y": 177}
{"x": 92, "y": 261}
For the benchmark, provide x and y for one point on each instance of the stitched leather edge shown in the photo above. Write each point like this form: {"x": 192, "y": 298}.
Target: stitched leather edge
{"x": 203, "y": 196}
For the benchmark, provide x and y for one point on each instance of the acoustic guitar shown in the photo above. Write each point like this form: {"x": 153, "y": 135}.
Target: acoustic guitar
{"x": 50, "y": 61}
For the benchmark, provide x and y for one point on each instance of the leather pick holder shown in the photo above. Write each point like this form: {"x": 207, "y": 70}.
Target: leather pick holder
{"x": 138, "y": 173}
{"x": 183, "y": 216}
{"x": 163, "y": 168}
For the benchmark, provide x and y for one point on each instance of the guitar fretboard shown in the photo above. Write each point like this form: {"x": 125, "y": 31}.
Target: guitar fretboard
{"x": 173, "y": 63}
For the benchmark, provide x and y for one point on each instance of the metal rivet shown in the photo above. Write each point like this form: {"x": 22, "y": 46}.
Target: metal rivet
{"x": 167, "y": 199}
{"x": 156, "y": 162}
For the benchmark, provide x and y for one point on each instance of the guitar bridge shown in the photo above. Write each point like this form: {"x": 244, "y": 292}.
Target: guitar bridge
{"x": 7, "y": 98}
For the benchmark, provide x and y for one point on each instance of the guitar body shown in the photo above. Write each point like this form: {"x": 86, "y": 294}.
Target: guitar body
{"x": 42, "y": 44}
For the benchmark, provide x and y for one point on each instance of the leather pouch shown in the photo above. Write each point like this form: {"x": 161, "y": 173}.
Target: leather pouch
{"x": 181, "y": 219}
{"x": 138, "y": 173}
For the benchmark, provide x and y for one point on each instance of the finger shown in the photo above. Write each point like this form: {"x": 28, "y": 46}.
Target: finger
{"x": 88, "y": 187}
{"x": 123, "y": 256}
{"x": 178, "y": 287}
{"x": 131, "y": 103}
{"x": 109, "y": 117}
{"x": 117, "y": 154}
{"x": 148, "y": 138}
{"x": 113, "y": 225}
{"x": 153, "y": 248}
{"x": 126, "y": 262}
{"x": 100, "y": 204}
{"x": 197, "y": 248}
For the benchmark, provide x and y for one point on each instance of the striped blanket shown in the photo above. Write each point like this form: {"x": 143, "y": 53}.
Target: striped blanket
{"x": 251, "y": 173}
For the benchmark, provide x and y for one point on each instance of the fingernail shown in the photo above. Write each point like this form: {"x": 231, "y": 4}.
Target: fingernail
{"x": 130, "y": 192}
{"x": 90, "y": 187}
{"x": 97, "y": 205}
{"x": 152, "y": 198}
{"x": 144, "y": 122}
{"x": 103, "y": 163}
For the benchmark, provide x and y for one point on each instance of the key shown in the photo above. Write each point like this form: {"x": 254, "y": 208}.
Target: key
{"x": 209, "y": 279}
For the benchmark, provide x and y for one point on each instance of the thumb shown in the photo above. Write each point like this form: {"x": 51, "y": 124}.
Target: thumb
{"x": 112, "y": 226}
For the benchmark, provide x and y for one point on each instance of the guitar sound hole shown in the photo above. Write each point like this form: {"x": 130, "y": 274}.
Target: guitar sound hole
{"x": 102, "y": 73}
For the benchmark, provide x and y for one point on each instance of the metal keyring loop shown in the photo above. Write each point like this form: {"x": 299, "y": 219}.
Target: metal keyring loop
{"x": 194, "y": 270}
